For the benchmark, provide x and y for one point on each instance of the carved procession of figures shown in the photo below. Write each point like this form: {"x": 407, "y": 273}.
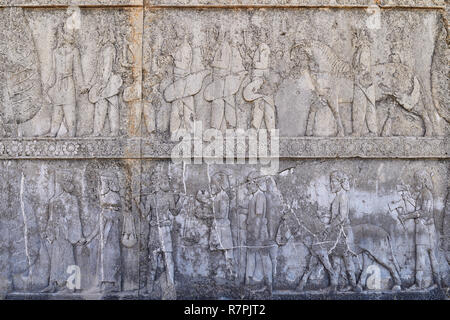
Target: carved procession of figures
{"x": 266, "y": 73}
{"x": 259, "y": 234}
{"x": 78, "y": 82}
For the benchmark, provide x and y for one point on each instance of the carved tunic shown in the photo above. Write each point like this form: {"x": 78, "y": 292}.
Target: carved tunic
{"x": 182, "y": 61}
{"x": 261, "y": 61}
{"x": 105, "y": 77}
{"x": 161, "y": 205}
{"x": 66, "y": 65}
{"x": 222, "y": 60}
{"x": 424, "y": 224}
{"x": 362, "y": 65}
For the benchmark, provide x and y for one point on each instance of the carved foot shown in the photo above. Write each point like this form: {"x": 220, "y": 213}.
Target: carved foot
{"x": 50, "y": 135}
{"x": 414, "y": 287}
{"x": 50, "y": 289}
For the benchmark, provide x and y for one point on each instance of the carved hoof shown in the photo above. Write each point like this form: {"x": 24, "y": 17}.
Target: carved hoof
{"x": 331, "y": 289}
{"x": 396, "y": 288}
{"x": 357, "y": 288}
{"x": 50, "y": 289}
{"x": 300, "y": 287}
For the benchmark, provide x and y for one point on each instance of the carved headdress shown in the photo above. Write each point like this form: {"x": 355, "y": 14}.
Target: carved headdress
{"x": 424, "y": 177}
{"x": 342, "y": 178}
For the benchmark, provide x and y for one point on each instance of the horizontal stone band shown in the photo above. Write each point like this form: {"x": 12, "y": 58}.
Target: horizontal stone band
{"x": 145, "y": 148}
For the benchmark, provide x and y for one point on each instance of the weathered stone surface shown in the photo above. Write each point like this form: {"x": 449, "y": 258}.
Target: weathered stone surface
{"x": 166, "y": 149}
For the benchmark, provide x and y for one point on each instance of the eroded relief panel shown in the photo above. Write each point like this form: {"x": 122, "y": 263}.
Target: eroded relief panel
{"x": 209, "y": 149}
{"x": 315, "y": 226}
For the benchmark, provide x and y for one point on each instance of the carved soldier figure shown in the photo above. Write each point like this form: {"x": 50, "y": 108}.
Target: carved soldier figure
{"x": 106, "y": 85}
{"x": 258, "y": 239}
{"x": 257, "y": 91}
{"x": 221, "y": 237}
{"x": 65, "y": 77}
{"x": 364, "y": 90}
{"x": 425, "y": 230}
{"x": 63, "y": 231}
{"x": 159, "y": 210}
{"x": 228, "y": 72}
{"x": 107, "y": 228}
{"x": 275, "y": 213}
{"x": 188, "y": 75}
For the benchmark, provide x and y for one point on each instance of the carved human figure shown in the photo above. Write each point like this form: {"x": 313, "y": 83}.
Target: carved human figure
{"x": 220, "y": 236}
{"x": 63, "y": 231}
{"x": 159, "y": 209}
{"x": 425, "y": 230}
{"x": 317, "y": 99}
{"x": 65, "y": 77}
{"x": 196, "y": 226}
{"x": 258, "y": 239}
{"x": 108, "y": 231}
{"x": 258, "y": 90}
{"x": 227, "y": 76}
{"x": 364, "y": 90}
{"x": 188, "y": 75}
{"x": 106, "y": 85}
{"x": 275, "y": 212}
{"x": 240, "y": 229}
{"x": 339, "y": 229}
{"x": 132, "y": 92}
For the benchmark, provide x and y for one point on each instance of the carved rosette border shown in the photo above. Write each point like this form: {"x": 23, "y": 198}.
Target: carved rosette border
{"x": 290, "y": 148}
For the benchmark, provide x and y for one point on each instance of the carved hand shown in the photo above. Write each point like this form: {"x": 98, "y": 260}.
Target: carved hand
{"x": 84, "y": 90}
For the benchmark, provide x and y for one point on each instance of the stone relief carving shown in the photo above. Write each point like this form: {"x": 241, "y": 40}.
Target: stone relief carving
{"x": 93, "y": 207}
{"x": 364, "y": 94}
{"x": 63, "y": 231}
{"x": 104, "y": 92}
{"x": 21, "y": 94}
{"x": 76, "y": 86}
{"x": 61, "y": 87}
{"x": 249, "y": 226}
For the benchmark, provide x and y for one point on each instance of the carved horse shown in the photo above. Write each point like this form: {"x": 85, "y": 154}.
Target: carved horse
{"x": 391, "y": 80}
{"x": 369, "y": 239}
